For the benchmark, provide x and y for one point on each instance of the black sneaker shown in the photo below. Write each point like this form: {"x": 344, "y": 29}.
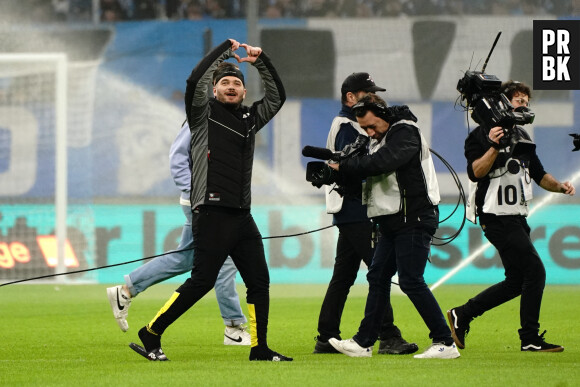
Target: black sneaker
{"x": 459, "y": 325}
{"x": 323, "y": 347}
{"x": 149, "y": 340}
{"x": 266, "y": 354}
{"x": 397, "y": 346}
{"x": 537, "y": 344}
{"x": 155, "y": 355}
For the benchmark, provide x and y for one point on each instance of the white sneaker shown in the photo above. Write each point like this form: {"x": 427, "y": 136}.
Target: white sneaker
{"x": 237, "y": 335}
{"x": 350, "y": 348}
{"x": 120, "y": 304}
{"x": 439, "y": 351}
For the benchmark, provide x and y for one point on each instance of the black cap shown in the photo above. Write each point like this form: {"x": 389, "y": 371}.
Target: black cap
{"x": 359, "y": 82}
{"x": 228, "y": 72}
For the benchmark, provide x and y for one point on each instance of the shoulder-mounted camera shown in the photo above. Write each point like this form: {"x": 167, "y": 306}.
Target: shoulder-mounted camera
{"x": 490, "y": 107}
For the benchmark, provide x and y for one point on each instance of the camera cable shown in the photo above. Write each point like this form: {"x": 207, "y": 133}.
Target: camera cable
{"x": 460, "y": 199}
{"x": 444, "y": 240}
{"x": 146, "y": 258}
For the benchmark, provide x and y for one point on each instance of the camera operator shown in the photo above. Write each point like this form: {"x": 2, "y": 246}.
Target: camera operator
{"x": 401, "y": 193}
{"x": 500, "y": 198}
{"x": 355, "y": 232}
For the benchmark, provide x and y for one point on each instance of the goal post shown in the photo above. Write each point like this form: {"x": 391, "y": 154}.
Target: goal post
{"x": 42, "y": 69}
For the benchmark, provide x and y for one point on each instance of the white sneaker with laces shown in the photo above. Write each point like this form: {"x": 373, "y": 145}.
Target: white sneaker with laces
{"x": 236, "y": 335}
{"x": 120, "y": 304}
{"x": 439, "y": 351}
{"x": 350, "y": 348}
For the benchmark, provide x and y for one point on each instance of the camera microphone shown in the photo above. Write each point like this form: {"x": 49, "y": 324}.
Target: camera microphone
{"x": 318, "y": 153}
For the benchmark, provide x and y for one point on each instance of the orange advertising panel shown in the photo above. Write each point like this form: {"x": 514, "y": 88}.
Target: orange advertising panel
{"x": 48, "y": 246}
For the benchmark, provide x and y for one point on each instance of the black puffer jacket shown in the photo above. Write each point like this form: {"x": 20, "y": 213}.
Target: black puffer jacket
{"x": 223, "y": 139}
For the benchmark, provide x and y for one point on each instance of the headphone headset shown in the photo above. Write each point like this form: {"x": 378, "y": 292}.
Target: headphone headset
{"x": 378, "y": 109}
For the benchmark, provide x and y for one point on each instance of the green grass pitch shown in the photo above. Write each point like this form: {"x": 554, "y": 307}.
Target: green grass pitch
{"x": 53, "y": 335}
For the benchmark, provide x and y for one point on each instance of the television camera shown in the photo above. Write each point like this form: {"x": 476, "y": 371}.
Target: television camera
{"x": 490, "y": 107}
{"x": 319, "y": 173}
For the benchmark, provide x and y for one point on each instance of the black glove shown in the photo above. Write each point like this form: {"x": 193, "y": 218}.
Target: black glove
{"x": 322, "y": 175}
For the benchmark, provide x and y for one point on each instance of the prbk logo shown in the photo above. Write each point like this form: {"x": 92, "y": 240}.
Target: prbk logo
{"x": 556, "y": 54}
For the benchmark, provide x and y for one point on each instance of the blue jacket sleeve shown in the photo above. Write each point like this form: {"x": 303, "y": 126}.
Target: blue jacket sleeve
{"x": 346, "y": 135}
{"x": 179, "y": 159}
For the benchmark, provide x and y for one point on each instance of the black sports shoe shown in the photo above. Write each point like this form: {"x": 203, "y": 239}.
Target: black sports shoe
{"x": 155, "y": 355}
{"x": 149, "y": 340}
{"x": 396, "y": 345}
{"x": 537, "y": 344}
{"x": 266, "y": 354}
{"x": 323, "y": 347}
{"x": 459, "y": 325}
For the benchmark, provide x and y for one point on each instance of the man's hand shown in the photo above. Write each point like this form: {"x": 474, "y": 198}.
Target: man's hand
{"x": 549, "y": 183}
{"x": 326, "y": 175}
{"x": 494, "y": 135}
{"x": 235, "y": 44}
{"x": 252, "y": 53}
{"x": 568, "y": 188}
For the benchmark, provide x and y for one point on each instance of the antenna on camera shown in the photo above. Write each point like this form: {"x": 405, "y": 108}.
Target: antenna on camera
{"x": 490, "y": 51}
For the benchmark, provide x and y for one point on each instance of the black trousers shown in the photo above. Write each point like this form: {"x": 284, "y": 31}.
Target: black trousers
{"x": 217, "y": 233}
{"x": 524, "y": 272}
{"x": 353, "y": 246}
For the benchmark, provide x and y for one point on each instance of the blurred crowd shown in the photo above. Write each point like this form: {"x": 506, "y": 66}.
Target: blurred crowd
{"x": 124, "y": 10}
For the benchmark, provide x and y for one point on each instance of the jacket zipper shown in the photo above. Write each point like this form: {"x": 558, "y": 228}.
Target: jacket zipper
{"x": 244, "y": 151}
